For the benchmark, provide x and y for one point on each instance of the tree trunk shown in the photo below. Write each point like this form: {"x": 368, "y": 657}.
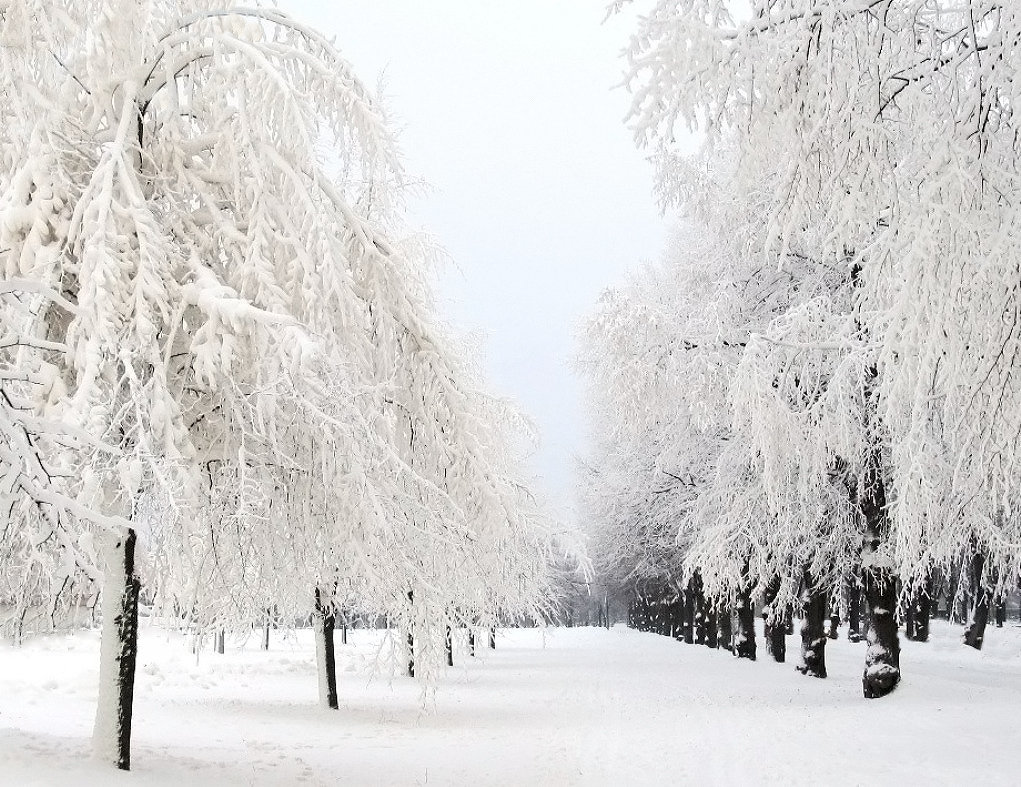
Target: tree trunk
{"x": 711, "y": 627}
{"x": 218, "y": 641}
{"x": 813, "y": 634}
{"x": 776, "y": 641}
{"x": 726, "y": 627}
{"x": 853, "y": 609}
{"x": 677, "y": 619}
{"x": 834, "y": 629}
{"x": 909, "y": 618}
{"x": 265, "y": 635}
{"x": 688, "y": 618}
{"x": 979, "y": 617}
{"x": 744, "y": 637}
{"x": 775, "y": 628}
{"x": 882, "y": 659}
{"x": 698, "y": 622}
{"x": 919, "y": 612}
{"x": 471, "y": 641}
{"x": 326, "y": 661}
{"x": 111, "y": 735}
{"x": 492, "y": 637}
{"x": 448, "y": 644}
{"x": 1001, "y": 612}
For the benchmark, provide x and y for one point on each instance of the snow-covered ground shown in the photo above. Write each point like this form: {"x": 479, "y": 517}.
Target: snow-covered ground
{"x": 568, "y": 706}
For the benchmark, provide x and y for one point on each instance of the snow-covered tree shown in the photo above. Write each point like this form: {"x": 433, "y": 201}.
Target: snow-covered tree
{"x": 224, "y": 341}
{"x": 893, "y": 129}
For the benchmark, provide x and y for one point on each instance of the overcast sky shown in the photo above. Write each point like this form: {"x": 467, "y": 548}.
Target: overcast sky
{"x": 537, "y": 192}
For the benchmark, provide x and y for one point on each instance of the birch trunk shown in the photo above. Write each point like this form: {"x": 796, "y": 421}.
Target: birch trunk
{"x": 326, "y": 661}
{"x": 118, "y": 655}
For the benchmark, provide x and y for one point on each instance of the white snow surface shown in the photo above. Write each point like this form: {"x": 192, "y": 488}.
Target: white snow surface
{"x": 580, "y": 706}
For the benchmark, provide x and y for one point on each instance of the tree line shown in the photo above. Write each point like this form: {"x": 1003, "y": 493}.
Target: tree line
{"x": 815, "y": 393}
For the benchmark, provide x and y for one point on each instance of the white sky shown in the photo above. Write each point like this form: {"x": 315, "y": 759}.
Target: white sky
{"x": 538, "y": 192}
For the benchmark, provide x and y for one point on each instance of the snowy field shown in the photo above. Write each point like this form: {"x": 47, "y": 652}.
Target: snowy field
{"x": 569, "y": 706}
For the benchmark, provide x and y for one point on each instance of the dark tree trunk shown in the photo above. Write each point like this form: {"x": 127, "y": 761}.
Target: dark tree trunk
{"x": 919, "y": 612}
{"x": 813, "y": 634}
{"x": 326, "y": 660}
{"x": 1001, "y": 613}
{"x": 744, "y": 637}
{"x": 711, "y": 627}
{"x": 118, "y": 654}
{"x": 218, "y": 640}
{"x": 776, "y": 642}
{"x": 976, "y": 631}
{"x": 471, "y": 641}
{"x": 675, "y": 612}
{"x": 448, "y": 644}
{"x": 834, "y": 629}
{"x": 265, "y": 635}
{"x": 492, "y": 637}
{"x": 775, "y": 628}
{"x": 882, "y": 659}
{"x": 726, "y": 626}
{"x": 853, "y": 609}
{"x": 698, "y": 622}
{"x": 688, "y": 620}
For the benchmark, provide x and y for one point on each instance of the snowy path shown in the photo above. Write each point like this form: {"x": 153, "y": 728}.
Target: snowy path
{"x": 592, "y": 707}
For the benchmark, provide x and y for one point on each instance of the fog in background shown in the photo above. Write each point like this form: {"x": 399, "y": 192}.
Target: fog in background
{"x": 536, "y": 190}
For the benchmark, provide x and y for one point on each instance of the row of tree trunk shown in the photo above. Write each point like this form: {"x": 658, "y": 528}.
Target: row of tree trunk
{"x": 448, "y": 646}
{"x": 119, "y": 651}
{"x": 690, "y": 617}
